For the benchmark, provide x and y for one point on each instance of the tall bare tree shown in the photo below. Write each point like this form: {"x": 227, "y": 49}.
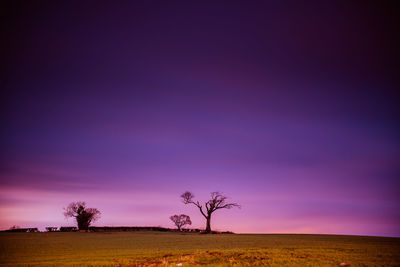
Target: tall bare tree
{"x": 84, "y": 216}
{"x": 181, "y": 220}
{"x": 217, "y": 201}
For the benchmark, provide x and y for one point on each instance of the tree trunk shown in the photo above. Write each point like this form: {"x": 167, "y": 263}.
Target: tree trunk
{"x": 208, "y": 226}
{"x": 83, "y": 224}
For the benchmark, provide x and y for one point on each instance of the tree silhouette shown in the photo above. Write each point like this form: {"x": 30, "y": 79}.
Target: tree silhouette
{"x": 84, "y": 216}
{"x": 217, "y": 201}
{"x": 181, "y": 220}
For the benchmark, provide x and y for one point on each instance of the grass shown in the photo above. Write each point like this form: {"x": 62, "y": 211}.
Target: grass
{"x": 175, "y": 249}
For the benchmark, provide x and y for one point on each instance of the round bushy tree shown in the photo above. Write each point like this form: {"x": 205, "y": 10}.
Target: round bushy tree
{"x": 181, "y": 220}
{"x": 84, "y": 216}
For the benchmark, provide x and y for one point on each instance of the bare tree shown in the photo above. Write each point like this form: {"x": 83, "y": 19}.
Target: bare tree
{"x": 217, "y": 201}
{"x": 84, "y": 216}
{"x": 181, "y": 220}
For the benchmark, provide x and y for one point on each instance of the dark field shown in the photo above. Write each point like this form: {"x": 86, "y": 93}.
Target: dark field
{"x": 175, "y": 249}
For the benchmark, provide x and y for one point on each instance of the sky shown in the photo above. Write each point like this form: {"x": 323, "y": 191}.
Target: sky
{"x": 288, "y": 108}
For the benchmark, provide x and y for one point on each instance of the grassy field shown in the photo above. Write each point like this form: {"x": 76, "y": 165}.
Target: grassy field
{"x": 175, "y": 249}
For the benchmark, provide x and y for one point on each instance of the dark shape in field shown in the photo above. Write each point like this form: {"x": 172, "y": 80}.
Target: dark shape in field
{"x": 84, "y": 216}
{"x": 22, "y": 230}
{"x": 217, "y": 201}
{"x": 51, "y": 229}
{"x": 137, "y": 229}
{"x": 68, "y": 229}
{"x": 181, "y": 220}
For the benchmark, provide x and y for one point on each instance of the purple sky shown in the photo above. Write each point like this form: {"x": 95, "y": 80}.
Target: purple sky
{"x": 289, "y": 109}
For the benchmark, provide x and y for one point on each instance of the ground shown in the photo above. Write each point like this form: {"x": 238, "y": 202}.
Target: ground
{"x": 176, "y": 249}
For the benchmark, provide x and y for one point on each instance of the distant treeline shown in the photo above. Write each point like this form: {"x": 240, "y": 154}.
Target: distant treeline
{"x": 136, "y": 228}
{"x": 22, "y": 230}
{"x": 110, "y": 229}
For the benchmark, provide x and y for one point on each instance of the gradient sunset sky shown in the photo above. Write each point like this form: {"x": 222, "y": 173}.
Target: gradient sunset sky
{"x": 289, "y": 108}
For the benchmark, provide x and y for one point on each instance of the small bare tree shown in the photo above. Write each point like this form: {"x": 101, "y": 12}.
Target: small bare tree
{"x": 217, "y": 201}
{"x": 84, "y": 216}
{"x": 181, "y": 220}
